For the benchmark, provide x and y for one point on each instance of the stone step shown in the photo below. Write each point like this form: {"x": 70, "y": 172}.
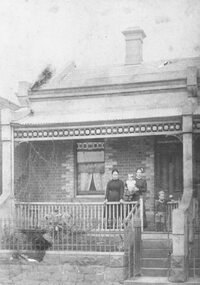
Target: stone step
{"x": 154, "y": 272}
{"x": 155, "y": 262}
{"x": 156, "y": 235}
{"x": 158, "y": 281}
{"x": 156, "y": 244}
{"x": 155, "y": 253}
{"x": 155, "y": 257}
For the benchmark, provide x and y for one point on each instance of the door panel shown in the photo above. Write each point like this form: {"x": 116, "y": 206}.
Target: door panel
{"x": 197, "y": 168}
{"x": 169, "y": 168}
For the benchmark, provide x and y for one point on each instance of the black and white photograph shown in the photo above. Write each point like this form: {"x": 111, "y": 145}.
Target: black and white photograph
{"x": 99, "y": 142}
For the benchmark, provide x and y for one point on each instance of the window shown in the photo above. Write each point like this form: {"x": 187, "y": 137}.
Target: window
{"x": 91, "y": 168}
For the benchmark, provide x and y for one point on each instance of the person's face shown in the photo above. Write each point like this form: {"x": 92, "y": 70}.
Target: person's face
{"x": 162, "y": 196}
{"x": 130, "y": 177}
{"x": 115, "y": 175}
{"x": 139, "y": 173}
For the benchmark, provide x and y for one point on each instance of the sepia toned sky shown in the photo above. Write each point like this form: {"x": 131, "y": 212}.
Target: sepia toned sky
{"x": 36, "y": 33}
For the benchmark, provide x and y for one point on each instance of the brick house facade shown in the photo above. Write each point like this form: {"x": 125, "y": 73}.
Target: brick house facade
{"x": 134, "y": 115}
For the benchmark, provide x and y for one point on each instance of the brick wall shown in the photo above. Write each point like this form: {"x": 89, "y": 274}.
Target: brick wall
{"x": 126, "y": 154}
{"x": 44, "y": 171}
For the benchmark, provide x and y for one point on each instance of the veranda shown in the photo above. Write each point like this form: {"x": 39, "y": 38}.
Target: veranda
{"x": 69, "y": 177}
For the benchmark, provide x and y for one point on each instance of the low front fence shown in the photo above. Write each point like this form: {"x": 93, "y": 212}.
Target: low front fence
{"x": 104, "y": 216}
{"x": 109, "y": 257}
{"x": 59, "y": 235}
{"x": 64, "y": 234}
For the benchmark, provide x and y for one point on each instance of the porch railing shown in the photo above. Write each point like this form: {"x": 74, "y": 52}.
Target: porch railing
{"x": 163, "y": 219}
{"x": 170, "y": 207}
{"x": 103, "y": 216}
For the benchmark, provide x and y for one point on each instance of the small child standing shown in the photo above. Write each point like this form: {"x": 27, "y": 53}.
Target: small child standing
{"x": 161, "y": 212}
{"x": 130, "y": 187}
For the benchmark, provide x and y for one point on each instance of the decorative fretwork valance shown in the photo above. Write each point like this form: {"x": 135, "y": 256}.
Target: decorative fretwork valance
{"x": 97, "y": 131}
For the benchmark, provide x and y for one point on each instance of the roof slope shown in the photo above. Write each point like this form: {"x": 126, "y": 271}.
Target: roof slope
{"x": 72, "y": 77}
{"x": 5, "y": 103}
{"x": 50, "y": 104}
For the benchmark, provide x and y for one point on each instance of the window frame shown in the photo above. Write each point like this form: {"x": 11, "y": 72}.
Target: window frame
{"x": 81, "y": 146}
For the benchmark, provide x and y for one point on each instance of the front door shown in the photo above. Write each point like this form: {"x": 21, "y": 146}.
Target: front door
{"x": 169, "y": 167}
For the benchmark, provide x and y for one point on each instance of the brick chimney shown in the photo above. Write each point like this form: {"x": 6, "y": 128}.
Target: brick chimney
{"x": 134, "y": 42}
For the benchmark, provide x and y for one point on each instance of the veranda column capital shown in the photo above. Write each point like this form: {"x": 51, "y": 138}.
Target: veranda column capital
{"x": 187, "y": 123}
{"x": 192, "y": 84}
{"x": 6, "y": 116}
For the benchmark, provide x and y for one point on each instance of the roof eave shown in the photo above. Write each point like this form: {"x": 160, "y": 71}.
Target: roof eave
{"x": 112, "y": 89}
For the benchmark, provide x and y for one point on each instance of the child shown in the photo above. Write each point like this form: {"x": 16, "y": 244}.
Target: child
{"x": 130, "y": 187}
{"x": 161, "y": 212}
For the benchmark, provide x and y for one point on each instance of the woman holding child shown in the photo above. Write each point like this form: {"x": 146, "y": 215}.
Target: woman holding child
{"x": 136, "y": 189}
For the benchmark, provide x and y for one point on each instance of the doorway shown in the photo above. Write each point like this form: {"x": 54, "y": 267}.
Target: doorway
{"x": 169, "y": 167}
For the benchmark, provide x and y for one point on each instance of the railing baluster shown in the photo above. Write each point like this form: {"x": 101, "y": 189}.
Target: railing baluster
{"x": 96, "y": 218}
{"x": 101, "y": 211}
{"x": 84, "y": 216}
{"x": 73, "y": 211}
{"x": 45, "y": 211}
{"x": 117, "y": 215}
{"x": 109, "y": 216}
{"x": 42, "y": 216}
{"x": 141, "y": 213}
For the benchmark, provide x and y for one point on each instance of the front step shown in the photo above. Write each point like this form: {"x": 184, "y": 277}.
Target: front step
{"x": 156, "y": 253}
{"x": 155, "y": 262}
{"x": 155, "y": 257}
{"x": 158, "y": 281}
{"x": 154, "y": 272}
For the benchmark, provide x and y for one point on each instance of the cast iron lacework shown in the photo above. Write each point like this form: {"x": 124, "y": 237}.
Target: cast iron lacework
{"x": 196, "y": 125}
{"x": 31, "y": 134}
{"x": 41, "y": 161}
{"x": 90, "y": 146}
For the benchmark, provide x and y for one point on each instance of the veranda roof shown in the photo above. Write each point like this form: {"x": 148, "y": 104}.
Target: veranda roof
{"x": 73, "y": 118}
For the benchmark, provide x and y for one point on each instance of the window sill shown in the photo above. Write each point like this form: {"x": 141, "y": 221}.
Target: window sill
{"x": 90, "y": 196}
